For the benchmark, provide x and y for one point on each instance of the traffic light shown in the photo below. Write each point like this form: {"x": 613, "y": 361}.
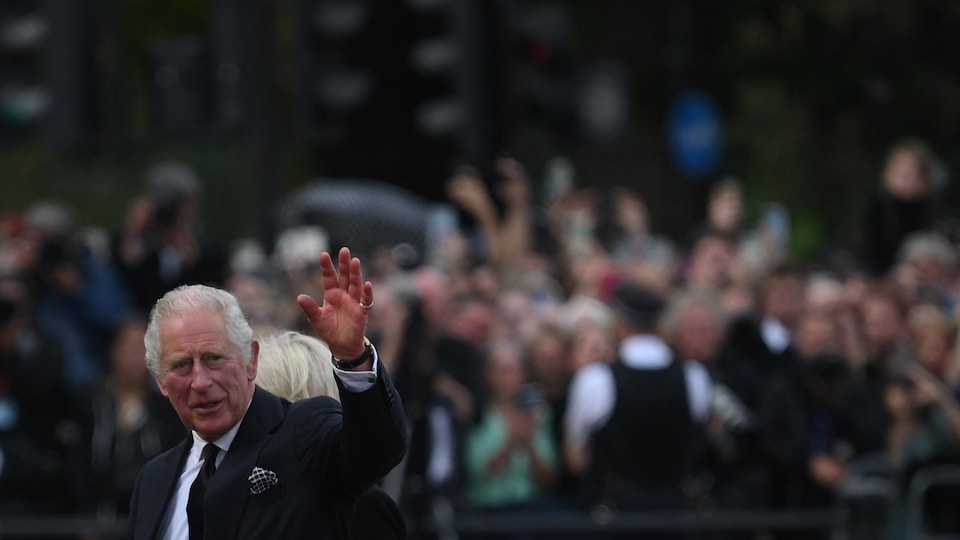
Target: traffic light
{"x": 47, "y": 74}
{"x": 181, "y": 89}
{"x": 542, "y": 85}
{"x": 458, "y": 56}
{"x": 401, "y": 91}
{"x": 337, "y": 54}
{"x": 231, "y": 66}
{"x": 435, "y": 54}
{"x": 25, "y": 95}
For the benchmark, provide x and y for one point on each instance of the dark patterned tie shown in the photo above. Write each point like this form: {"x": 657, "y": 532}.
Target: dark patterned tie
{"x": 198, "y": 490}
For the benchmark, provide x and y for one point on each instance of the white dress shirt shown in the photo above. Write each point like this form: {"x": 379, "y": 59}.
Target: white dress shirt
{"x": 358, "y": 381}
{"x": 175, "y": 523}
{"x": 775, "y": 335}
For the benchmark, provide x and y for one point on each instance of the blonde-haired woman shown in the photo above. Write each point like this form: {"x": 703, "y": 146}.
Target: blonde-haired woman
{"x": 296, "y": 366}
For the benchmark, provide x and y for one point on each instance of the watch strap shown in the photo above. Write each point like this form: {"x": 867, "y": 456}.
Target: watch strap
{"x": 347, "y": 365}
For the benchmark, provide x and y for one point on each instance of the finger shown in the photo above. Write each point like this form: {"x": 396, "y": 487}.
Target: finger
{"x": 366, "y": 297}
{"x": 309, "y": 307}
{"x": 506, "y": 166}
{"x": 356, "y": 277}
{"x": 511, "y": 168}
{"x": 465, "y": 171}
{"x": 344, "y": 266}
{"x": 919, "y": 373}
{"x": 327, "y": 271}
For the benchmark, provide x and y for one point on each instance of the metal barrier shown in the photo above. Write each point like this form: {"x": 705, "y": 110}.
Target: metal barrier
{"x": 864, "y": 507}
{"x": 854, "y": 517}
{"x": 594, "y": 526}
{"x": 921, "y": 483}
{"x": 61, "y": 526}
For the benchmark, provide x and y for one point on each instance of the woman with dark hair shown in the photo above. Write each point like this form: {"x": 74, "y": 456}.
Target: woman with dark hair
{"x": 904, "y": 205}
{"x": 127, "y": 423}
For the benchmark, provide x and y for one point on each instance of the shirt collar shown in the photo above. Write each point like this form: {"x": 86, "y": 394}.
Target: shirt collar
{"x": 645, "y": 351}
{"x": 775, "y": 335}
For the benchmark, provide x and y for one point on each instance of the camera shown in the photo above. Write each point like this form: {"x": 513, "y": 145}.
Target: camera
{"x": 529, "y": 397}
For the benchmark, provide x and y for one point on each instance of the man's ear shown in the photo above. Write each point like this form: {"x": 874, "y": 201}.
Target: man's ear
{"x": 254, "y": 359}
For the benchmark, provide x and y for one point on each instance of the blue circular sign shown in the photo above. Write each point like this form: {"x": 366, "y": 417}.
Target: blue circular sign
{"x": 695, "y": 134}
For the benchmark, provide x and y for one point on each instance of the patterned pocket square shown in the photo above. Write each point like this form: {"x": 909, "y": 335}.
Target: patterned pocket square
{"x": 261, "y": 480}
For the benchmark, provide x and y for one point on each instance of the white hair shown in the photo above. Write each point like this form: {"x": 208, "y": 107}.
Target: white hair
{"x": 196, "y": 298}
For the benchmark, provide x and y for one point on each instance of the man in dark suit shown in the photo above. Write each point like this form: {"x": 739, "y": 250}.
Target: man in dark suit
{"x": 760, "y": 346}
{"x": 282, "y": 470}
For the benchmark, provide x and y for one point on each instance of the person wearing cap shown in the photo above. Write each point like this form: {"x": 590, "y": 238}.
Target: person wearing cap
{"x": 630, "y": 425}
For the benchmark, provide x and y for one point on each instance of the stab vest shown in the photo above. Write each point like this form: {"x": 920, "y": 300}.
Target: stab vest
{"x": 646, "y": 444}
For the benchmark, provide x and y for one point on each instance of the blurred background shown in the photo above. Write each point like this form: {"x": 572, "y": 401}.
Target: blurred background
{"x": 799, "y": 100}
{"x": 698, "y": 150}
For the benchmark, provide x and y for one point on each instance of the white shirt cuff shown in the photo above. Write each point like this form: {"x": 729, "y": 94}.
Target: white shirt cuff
{"x": 358, "y": 381}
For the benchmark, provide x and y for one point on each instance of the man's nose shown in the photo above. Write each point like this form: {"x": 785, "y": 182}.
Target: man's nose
{"x": 201, "y": 376}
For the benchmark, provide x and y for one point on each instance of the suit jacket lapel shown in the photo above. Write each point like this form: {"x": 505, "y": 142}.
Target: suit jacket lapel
{"x": 168, "y": 472}
{"x": 229, "y": 488}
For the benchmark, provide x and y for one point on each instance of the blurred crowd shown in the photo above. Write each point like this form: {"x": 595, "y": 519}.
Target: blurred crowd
{"x": 554, "y": 353}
